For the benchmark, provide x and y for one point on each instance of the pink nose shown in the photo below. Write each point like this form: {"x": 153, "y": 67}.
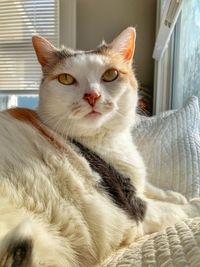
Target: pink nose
{"x": 92, "y": 97}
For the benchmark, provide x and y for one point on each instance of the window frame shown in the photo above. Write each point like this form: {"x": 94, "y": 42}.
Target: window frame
{"x": 164, "y": 70}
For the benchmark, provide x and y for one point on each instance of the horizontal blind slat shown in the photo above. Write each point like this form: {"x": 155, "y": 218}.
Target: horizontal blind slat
{"x": 26, "y": 10}
{"x": 27, "y": 39}
{"x": 16, "y": 17}
{"x": 19, "y": 20}
{"x": 16, "y": 23}
{"x": 23, "y": 32}
{"x": 26, "y": 4}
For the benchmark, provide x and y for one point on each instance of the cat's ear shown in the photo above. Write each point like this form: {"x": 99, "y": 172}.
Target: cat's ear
{"x": 45, "y": 51}
{"x": 124, "y": 44}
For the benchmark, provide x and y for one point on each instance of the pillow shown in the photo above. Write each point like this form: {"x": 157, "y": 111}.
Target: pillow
{"x": 170, "y": 146}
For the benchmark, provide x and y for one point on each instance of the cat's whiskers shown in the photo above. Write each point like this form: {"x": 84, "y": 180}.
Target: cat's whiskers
{"x": 109, "y": 104}
{"x": 49, "y": 116}
{"x": 60, "y": 133}
{"x": 52, "y": 119}
{"x": 77, "y": 110}
{"x": 120, "y": 113}
{"x": 67, "y": 129}
{"x": 60, "y": 125}
{"x": 142, "y": 112}
{"x": 56, "y": 126}
{"x": 77, "y": 113}
{"x": 63, "y": 133}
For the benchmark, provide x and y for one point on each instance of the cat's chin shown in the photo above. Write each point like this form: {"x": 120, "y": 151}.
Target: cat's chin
{"x": 93, "y": 121}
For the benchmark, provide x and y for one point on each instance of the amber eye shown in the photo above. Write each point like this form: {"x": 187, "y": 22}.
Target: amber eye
{"x": 66, "y": 79}
{"x": 110, "y": 75}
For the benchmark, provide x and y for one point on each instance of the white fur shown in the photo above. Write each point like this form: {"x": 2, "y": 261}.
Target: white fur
{"x": 72, "y": 109}
{"x": 58, "y": 198}
{"x": 52, "y": 196}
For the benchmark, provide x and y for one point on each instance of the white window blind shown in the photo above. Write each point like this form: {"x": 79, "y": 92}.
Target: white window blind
{"x": 19, "y": 20}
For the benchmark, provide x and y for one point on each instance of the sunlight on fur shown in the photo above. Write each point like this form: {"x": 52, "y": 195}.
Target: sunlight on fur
{"x": 72, "y": 183}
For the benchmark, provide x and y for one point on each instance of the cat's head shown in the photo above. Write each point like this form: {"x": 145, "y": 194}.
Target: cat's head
{"x": 83, "y": 93}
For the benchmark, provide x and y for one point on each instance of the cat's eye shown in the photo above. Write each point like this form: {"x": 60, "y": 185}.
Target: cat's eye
{"x": 110, "y": 75}
{"x": 66, "y": 79}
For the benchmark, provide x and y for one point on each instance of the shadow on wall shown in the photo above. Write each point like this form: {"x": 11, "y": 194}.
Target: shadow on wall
{"x": 98, "y": 20}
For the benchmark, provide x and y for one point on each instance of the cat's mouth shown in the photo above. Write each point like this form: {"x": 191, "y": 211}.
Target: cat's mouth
{"x": 93, "y": 114}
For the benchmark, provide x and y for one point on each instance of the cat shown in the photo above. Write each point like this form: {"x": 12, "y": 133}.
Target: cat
{"x": 73, "y": 185}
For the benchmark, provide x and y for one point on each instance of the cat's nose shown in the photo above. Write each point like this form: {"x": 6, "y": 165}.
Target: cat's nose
{"x": 92, "y": 97}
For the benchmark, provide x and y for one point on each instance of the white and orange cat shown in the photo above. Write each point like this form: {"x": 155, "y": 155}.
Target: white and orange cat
{"x": 72, "y": 183}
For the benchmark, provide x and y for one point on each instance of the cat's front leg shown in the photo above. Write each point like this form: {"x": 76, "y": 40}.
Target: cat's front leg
{"x": 170, "y": 196}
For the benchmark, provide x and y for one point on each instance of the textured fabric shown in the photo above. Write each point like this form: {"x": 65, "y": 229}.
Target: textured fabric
{"x": 170, "y": 146}
{"x": 177, "y": 246}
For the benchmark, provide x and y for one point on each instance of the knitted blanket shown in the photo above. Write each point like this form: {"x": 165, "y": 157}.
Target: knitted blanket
{"x": 177, "y": 246}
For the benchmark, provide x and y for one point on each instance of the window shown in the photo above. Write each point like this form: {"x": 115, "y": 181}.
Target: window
{"x": 186, "y": 67}
{"x": 177, "y": 74}
{"x": 19, "y": 70}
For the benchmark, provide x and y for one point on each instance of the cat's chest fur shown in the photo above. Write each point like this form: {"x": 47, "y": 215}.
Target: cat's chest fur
{"x": 52, "y": 181}
{"x": 120, "y": 152}
{"x": 68, "y": 171}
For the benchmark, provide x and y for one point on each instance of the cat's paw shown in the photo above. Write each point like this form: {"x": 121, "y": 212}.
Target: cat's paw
{"x": 175, "y": 197}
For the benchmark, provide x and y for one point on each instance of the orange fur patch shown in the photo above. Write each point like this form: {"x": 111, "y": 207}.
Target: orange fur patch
{"x": 30, "y": 116}
{"x": 44, "y": 49}
{"x": 117, "y": 61}
{"x": 129, "y": 51}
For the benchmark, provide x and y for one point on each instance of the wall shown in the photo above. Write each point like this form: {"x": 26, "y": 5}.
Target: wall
{"x": 104, "y": 19}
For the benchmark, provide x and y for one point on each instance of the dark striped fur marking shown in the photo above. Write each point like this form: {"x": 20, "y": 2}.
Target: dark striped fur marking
{"x": 118, "y": 187}
{"x": 21, "y": 253}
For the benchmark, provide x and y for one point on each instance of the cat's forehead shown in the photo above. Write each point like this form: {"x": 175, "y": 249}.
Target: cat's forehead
{"x": 102, "y": 50}
{"x": 87, "y": 58}
{"x": 84, "y": 61}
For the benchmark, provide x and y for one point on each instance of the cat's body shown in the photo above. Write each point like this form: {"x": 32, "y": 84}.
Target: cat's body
{"x": 58, "y": 186}
{"x": 54, "y": 211}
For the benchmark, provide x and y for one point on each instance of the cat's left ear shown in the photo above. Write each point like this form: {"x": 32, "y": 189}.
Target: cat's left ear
{"x": 45, "y": 51}
{"x": 124, "y": 44}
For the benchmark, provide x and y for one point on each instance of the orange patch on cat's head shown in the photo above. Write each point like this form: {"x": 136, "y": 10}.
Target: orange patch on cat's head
{"x": 124, "y": 44}
{"x": 117, "y": 61}
{"x": 120, "y": 53}
{"x": 130, "y": 48}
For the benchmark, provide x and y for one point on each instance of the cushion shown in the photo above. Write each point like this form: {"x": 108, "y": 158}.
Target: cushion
{"x": 177, "y": 246}
{"x": 170, "y": 146}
